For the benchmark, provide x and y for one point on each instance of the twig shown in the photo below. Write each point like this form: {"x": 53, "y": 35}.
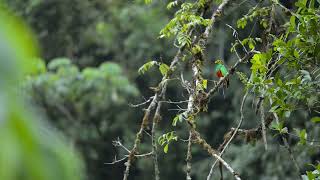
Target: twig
{"x": 143, "y": 155}
{"x": 162, "y": 90}
{"x": 233, "y": 68}
{"x": 118, "y": 143}
{"x": 235, "y": 34}
{"x": 189, "y": 157}
{"x": 144, "y": 123}
{"x": 115, "y": 161}
{"x": 195, "y": 92}
{"x": 228, "y": 140}
{"x": 197, "y": 138}
{"x": 254, "y": 133}
{"x": 143, "y": 103}
{"x": 147, "y": 133}
{"x": 263, "y": 125}
{"x": 175, "y": 102}
{"x": 156, "y": 119}
{"x": 286, "y": 144}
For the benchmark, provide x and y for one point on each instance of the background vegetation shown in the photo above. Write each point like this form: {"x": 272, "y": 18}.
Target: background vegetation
{"x": 86, "y": 78}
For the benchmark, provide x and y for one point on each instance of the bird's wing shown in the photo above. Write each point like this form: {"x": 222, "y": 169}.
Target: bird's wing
{"x": 224, "y": 70}
{"x": 217, "y": 67}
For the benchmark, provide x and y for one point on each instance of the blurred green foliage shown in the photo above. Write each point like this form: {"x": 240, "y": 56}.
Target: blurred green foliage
{"x": 90, "y": 32}
{"x": 88, "y": 105}
{"x": 29, "y": 148}
{"x": 86, "y": 94}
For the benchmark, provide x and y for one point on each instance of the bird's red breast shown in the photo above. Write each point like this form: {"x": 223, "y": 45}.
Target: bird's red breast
{"x": 219, "y": 74}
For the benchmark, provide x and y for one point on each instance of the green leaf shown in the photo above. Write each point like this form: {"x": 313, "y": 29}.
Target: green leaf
{"x": 301, "y": 3}
{"x": 241, "y": 23}
{"x": 172, "y": 4}
{"x": 259, "y": 62}
{"x": 268, "y": 81}
{"x": 277, "y": 126}
{"x": 144, "y": 68}
{"x": 164, "y": 69}
{"x": 177, "y": 118}
{"x": 310, "y": 175}
{"x": 293, "y": 22}
{"x": 315, "y": 119}
{"x": 166, "y": 148}
{"x": 204, "y": 83}
{"x": 303, "y": 136}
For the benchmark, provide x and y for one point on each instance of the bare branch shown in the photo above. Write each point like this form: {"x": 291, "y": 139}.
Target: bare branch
{"x": 175, "y": 102}
{"x": 229, "y": 138}
{"x": 196, "y": 93}
{"x": 263, "y": 125}
{"x": 115, "y": 161}
{"x": 156, "y": 119}
{"x": 212, "y": 152}
{"x": 189, "y": 157}
{"x": 143, "y": 103}
{"x": 162, "y": 89}
{"x": 144, "y": 123}
{"x": 143, "y": 155}
{"x": 235, "y": 35}
{"x": 117, "y": 143}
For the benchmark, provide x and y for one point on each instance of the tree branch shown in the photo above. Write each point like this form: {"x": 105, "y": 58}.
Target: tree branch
{"x": 156, "y": 119}
{"x": 232, "y": 70}
{"x": 263, "y": 125}
{"x": 189, "y": 157}
{"x": 229, "y": 138}
{"x": 197, "y": 139}
{"x": 197, "y": 93}
{"x": 158, "y": 95}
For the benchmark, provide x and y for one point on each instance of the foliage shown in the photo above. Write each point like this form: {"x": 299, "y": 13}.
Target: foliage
{"x": 90, "y": 33}
{"x": 166, "y": 139}
{"x": 315, "y": 174}
{"x": 163, "y": 68}
{"x": 89, "y": 105}
{"x": 294, "y": 51}
{"x": 286, "y": 73}
{"x": 79, "y": 103}
{"x": 185, "y": 18}
{"x": 30, "y": 149}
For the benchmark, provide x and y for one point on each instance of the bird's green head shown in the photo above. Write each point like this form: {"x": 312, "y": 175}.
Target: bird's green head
{"x": 219, "y": 61}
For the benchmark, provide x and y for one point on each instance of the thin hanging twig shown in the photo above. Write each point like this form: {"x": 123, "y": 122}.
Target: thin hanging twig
{"x": 189, "y": 157}
{"x": 234, "y": 133}
{"x": 197, "y": 138}
{"x": 263, "y": 125}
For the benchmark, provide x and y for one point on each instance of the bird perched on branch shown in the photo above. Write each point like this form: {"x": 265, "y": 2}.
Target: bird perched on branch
{"x": 221, "y": 71}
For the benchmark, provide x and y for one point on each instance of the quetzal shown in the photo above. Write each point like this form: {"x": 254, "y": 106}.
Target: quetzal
{"x": 221, "y": 71}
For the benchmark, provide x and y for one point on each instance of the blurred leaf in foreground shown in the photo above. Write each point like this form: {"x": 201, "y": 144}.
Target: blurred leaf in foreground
{"x": 29, "y": 149}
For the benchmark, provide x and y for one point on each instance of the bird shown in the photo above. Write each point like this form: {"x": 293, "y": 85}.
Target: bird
{"x": 221, "y": 71}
